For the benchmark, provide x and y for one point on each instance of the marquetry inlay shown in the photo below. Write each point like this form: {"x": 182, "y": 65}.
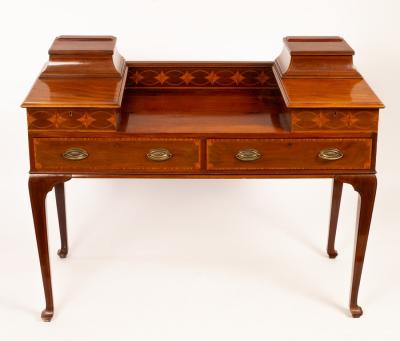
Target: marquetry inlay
{"x": 74, "y": 119}
{"x": 353, "y": 120}
{"x": 205, "y": 76}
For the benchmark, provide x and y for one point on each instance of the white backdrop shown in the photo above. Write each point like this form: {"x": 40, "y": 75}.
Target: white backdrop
{"x": 198, "y": 259}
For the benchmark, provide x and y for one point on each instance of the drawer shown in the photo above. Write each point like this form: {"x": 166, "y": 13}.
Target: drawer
{"x": 90, "y": 155}
{"x": 72, "y": 119}
{"x": 334, "y": 120}
{"x": 279, "y": 154}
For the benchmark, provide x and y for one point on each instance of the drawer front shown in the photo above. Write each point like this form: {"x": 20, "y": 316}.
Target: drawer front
{"x": 72, "y": 119}
{"x": 334, "y": 120}
{"x": 91, "y": 155}
{"x": 288, "y": 154}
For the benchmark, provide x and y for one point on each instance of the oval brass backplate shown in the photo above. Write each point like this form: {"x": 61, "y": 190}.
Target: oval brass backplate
{"x": 159, "y": 154}
{"x": 330, "y": 154}
{"x": 249, "y": 154}
{"x": 75, "y": 154}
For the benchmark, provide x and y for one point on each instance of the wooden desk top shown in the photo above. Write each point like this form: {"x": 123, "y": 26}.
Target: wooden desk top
{"x": 328, "y": 93}
{"x": 202, "y": 112}
{"x": 75, "y": 93}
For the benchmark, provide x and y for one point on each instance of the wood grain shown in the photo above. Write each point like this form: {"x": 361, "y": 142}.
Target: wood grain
{"x": 334, "y": 120}
{"x": 76, "y": 93}
{"x": 233, "y": 75}
{"x": 328, "y": 93}
{"x": 39, "y": 186}
{"x": 73, "y": 119}
{"x": 335, "y": 207}
{"x": 288, "y": 154}
{"x": 366, "y": 187}
{"x": 118, "y": 154}
{"x": 84, "y": 56}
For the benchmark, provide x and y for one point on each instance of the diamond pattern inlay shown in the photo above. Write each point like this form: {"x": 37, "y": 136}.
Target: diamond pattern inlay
{"x": 212, "y": 77}
{"x": 237, "y": 77}
{"x": 86, "y": 120}
{"x": 75, "y": 119}
{"x": 161, "y": 77}
{"x": 363, "y": 120}
{"x": 57, "y": 120}
{"x": 200, "y": 76}
{"x": 262, "y": 77}
{"x": 187, "y": 77}
{"x": 137, "y": 77}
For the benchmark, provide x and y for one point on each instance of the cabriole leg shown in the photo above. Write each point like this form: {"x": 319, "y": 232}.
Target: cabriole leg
{"x": 39, "y": 186}
{"x": 335, "y": 207}
{"x": 62, "y": 220}
{"x": 365, "y": 185}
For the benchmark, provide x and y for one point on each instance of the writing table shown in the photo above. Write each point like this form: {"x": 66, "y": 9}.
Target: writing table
{"x": 308, "y": 114}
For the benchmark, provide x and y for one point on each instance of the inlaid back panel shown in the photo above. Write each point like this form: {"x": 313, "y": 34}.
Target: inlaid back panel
{"x": 200, "y": 75}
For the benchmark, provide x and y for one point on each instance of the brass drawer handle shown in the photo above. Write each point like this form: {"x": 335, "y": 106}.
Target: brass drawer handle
{"x": 75, "y": 154}
{"x": 159, "y": 154}
{"x": 248, "y": 154}
{"x": 330, "y": 154}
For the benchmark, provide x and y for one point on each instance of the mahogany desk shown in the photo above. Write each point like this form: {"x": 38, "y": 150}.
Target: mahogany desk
{"x": 308, "y": 114}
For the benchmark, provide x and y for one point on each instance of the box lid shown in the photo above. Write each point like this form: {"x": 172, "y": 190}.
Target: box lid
{"x": 318, "y": 46}
{"x": 87, "y": 45}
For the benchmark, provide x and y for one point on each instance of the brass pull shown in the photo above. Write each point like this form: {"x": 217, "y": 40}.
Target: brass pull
{"x": 75, "y": 154}
{"x": 159, "y": 154}
{"x": 330, "y": 154}
{"x": 248, "y": 155}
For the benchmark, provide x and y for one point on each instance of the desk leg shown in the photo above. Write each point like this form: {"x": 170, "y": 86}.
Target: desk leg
{"x": 335, "y": 207}
{"x": 39, "y": 186}
{"x": 62, "y": 220}
{"x": 365, "y": 185}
